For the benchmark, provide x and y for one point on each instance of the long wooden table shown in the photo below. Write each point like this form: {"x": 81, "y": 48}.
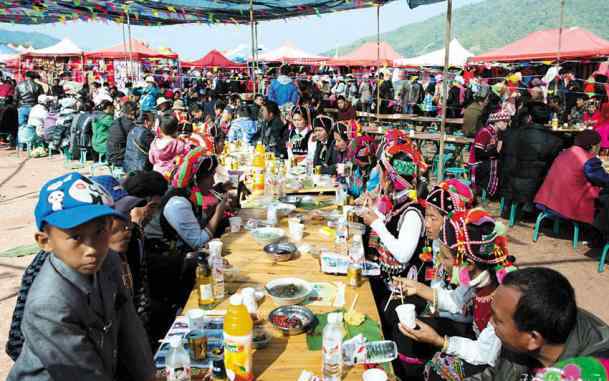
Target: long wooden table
{"x": 285, "y": 357}
{"x": 425, "y": 136}
{"x": 400, "y": 117}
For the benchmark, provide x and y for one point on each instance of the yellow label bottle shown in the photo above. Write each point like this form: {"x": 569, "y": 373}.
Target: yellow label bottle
{"x": 238, "y": 333}
{"x": 259, "y": 165}
{"x": 204, "y": 283}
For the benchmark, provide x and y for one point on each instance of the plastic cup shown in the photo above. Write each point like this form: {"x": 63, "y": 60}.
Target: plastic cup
{"x": 407, "y": 315}
{"x": 196, "y": 318}
{"x": 215, "y": 247}
{"x": 297, "y": 232}
{"x": 340, "y": 169}
{"x": 235, "y": 224}
{"x": 374, "y": 374}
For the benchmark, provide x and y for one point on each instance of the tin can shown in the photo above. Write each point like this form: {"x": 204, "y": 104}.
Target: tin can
{"x": 354, "y": 275}
{"x": 217, "y": 365}
{"x": 317, "y": 170}
{"x": 197, "y": 345}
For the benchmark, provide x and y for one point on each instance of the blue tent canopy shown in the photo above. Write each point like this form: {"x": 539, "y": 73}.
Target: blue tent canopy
{"x": 166, "y": 12}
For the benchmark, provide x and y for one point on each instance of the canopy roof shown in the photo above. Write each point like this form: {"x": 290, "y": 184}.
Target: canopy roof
{"x": 64, "y": 48}
{"x": 543, "y": 45}
{"x": 458, "y": 57}
{"x": 288, "y": 53}
{"x": 213, "y": 59}
{"x": 164, "y": 12}
{"x": 366, "y": 55}
{"x": 121, "y": 52}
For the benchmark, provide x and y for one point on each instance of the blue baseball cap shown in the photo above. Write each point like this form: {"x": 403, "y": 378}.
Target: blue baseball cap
{"x": 111, "y": 186}
{"x": 72, "y": 200}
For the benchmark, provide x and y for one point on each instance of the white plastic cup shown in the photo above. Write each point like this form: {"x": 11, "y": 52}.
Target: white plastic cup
{"x": 196, "y": 319}
{"x": 235, "y": 224}
{"x": 407, "y": 315}
{"x": 215, "y": 247}
{"x": 340, "y": 169}
{"x": 374, "y": 374}
{"x": 297, "y": 232}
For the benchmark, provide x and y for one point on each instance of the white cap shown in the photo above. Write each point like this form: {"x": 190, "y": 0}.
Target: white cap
{"x": 161, "y": 100}
{"x": 236, "y": 300}
{"x": 43, "y": 99}
{"x": 175, "y": 341}
{"x": 150, "y": 79}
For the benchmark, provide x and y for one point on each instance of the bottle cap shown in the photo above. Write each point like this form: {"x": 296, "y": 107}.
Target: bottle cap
{"x": 175, "y": 341}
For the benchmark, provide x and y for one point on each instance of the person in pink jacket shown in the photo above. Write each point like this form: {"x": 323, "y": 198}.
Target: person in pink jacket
{"x": 602, "y": 127}
{"x": 569, "y": 189}
{"x": 165, "y": 149}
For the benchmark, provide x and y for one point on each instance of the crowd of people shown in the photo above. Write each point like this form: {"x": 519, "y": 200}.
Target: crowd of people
{"x": 116, "y": 261}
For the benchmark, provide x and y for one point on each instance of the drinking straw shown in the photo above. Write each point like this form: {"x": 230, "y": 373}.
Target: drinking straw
{"x": 353, "y": 303}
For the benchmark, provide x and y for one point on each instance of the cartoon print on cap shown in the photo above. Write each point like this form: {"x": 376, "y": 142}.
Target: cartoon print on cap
{"x": 56, "y": 185}
{"x": 56, "y": 200}
{"x": 88, "y": 192}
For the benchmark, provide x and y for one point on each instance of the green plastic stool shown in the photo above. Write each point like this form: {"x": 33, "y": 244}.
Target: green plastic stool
{"x": 601, "y": 263}
{"x": 513, "y": 211}
{"x": 556, "y": 227}
{"x": 101, "y": 163}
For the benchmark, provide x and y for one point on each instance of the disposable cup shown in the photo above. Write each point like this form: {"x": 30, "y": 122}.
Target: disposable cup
{"x": 374, "y": 374}
{"x": 215, "y": 247}
{"x": 196, "y": 319}
{"x": 407, "y": 315}
{"x": 297, "y": 232}
{"x": 235, "y": 224}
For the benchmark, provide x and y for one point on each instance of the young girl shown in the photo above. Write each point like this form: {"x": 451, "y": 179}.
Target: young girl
{"x": 300, "y": 132}
{"x": 479, "y": 251}
{"x": 165, "y": 149}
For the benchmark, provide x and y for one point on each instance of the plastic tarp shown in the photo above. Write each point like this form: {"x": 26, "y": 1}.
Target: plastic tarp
{"x": 64, "y": 48}
{"x": 121, "y": 52}
{"x": 288, "y": 53}
{"x": 166, "y": 12}
{"x": 458, "y": 57}
{"x": 212, "y": 59}
{"x": 366, "y": 55}
{"x": 543, "y": 45}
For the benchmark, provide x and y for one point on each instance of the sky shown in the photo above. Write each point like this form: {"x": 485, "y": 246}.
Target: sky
{"x": 313, "y": 34}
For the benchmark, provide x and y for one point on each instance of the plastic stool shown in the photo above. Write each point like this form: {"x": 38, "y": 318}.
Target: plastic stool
{"x": 556, "y": 227}
{"x": 601, "y": 263}
{"x": 457, "y": 172}
{"x": 100, "y": 164}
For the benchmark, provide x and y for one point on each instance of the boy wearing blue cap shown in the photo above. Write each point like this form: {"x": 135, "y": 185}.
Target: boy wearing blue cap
{"x": 78, "y": 321}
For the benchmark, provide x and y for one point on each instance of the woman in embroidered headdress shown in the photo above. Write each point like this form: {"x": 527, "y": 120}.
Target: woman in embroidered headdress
{"x": 478, "y": 247}
{"x": 397, "y": 224}
{"x": 362, "y": 154}
{"x": 299, "y": 132}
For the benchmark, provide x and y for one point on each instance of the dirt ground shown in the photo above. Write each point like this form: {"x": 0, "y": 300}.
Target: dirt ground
{"x": 21, "y": 178}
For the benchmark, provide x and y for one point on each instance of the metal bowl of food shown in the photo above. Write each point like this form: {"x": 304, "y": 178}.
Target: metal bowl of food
{"x": 292, "y": 320}
{"x": 292, "y": 200}
{"x": 267, "y": 235}
{"x": 281, "y": 252}
{"x": 288, "y": 291}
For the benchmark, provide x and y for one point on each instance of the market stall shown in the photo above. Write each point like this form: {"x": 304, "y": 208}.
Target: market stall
{"x": 130, "y": 61}
{"x": 369, "y": 54}
{"x": 290, "y": 54}
{"x": 213, "y": 59}
{"x": 65, "y": 57}
{"x": 458, "y": 57}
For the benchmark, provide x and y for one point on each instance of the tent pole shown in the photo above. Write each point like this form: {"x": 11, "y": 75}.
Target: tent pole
{"x": 378, "y": 61}
{"x": 562, "y": 22}
{"x": 127, "y": 69}
{"x": 447, "y": 35}
{"x": 130, "y": 46}
{"x": 253, "y": 42}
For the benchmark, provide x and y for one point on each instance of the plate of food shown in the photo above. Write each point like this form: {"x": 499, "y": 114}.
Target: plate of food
{"x": 292, "y": 200}
{"x": 284, "y": 209}
{"x": 281, "y": 252}
{"x": 288, "y": 291}
{"x": 292, "y": 320}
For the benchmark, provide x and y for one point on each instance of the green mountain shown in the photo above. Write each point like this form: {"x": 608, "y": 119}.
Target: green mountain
{"x": 35, "y": 39}
{"x": 493, "y": 24}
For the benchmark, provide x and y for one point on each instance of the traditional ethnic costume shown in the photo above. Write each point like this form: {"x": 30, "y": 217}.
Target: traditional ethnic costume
{"x": 362, "y": 155}
{"x": 484, "y": 158}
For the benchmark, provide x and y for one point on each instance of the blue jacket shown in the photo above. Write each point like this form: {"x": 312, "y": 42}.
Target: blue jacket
{"x": 136, "y": 151}
{"x": 149, "y": 96}
{"x": 283, "y": 90}
{"x": 242, "y": 128}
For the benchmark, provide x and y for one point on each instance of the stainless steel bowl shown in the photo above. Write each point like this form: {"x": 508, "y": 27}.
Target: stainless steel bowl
{"x": 303, "y": 315}
{"x": 281, "y": 252}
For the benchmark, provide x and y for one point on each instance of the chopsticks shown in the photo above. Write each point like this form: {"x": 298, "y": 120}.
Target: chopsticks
{"x": 353, "y": 303}
{"x": 393, "y": 293}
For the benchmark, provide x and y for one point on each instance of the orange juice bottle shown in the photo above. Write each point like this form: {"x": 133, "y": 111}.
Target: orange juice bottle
{"x": 238, "y": 334}
{"x": 259, "y": 165}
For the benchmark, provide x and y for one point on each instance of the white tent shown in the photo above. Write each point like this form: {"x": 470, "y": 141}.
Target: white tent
{"x": 64, "y": 48}
{"x": 458, "y": 57}
{"x": 288, "y": 53}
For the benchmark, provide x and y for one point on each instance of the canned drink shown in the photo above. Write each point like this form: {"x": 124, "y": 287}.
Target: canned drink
{"x": 317, "y": 170}
{"x": 354, "y": 275}
{"x": 197, "y": 345}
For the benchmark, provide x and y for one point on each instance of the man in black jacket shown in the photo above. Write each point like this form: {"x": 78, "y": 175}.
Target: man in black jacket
{"x": 26, "y": 95}
{"x": 117, "y": 134}
{"x": 535, "y": 316}
{"x": 536, "y": 149}
{"x": 272, "y": 133}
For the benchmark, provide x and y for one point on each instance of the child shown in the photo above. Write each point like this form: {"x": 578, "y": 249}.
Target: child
{"x": 165, "y": 149}
{"x": 79, "y": 322}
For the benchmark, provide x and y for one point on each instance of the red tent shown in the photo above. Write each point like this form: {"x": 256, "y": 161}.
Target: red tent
{"x": 121, "y": 52}
{"x": 366, "y": 55}
{"x": 213, "y": 59}
{"x": 543, "y": 45}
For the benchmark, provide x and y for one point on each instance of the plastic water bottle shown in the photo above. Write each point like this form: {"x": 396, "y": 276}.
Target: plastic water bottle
{"x": 356, "y": 251}
{"x": 177, "y": 365}
{"x": 217, "y": 273}
{"x": 332, "y": 349}
{"x": 342, "y": 235}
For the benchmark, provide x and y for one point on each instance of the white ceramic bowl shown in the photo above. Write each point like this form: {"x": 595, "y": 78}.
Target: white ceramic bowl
{"x": 304, "y": 286}
{"x": 267, "y": 235}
